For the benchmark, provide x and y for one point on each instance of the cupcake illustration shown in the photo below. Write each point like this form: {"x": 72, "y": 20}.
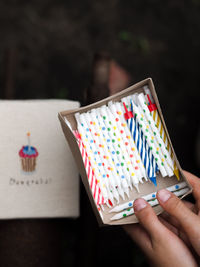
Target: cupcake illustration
{"x": 28, "y": 155}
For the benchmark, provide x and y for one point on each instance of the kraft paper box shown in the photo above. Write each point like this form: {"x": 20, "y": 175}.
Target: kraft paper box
{"x": 145, "y": 188}
{"x": 38, "y": 175}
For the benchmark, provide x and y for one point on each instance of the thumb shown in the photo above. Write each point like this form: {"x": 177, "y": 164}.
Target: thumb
{"x": 148, "y": 219}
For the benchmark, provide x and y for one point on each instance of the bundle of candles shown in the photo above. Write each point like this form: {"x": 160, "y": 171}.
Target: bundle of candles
{"x": 123, "y": 144}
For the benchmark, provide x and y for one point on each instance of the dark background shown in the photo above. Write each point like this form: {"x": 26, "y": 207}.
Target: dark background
{"x": 46, "y": 51}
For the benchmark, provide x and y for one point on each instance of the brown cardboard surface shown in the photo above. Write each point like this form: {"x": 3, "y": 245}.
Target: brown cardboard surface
{"x": 147, "y": 187}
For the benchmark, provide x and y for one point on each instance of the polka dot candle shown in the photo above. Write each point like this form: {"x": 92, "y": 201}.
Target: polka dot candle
{"x": 130, "y": 142}
{"x": 120, "y": 135}
{"x": 126, "y": 143}
{"x": 93, "y": 156}
{"x": 104, "y": 153}
{"x": 126, "y": 209}
{"x": 114, "y": 153}
{"x": 116, "y": 141}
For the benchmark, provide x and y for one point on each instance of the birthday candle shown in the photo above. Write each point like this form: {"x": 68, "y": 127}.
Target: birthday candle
{"x": 153, "y": 109}
{"x": 109, "y": 181}
{"x": 150, "y": 155}
{"x": 134, "y": 178}
{"x": 160, "y": 160}
{"x": 141, "y": 143}
{"x": 115, "y": 139}
{"x": 93, "y": 183}
{"x": 148, "y": 197}
{"x": 115, "y": 146}
{"x": 99, "y": 149}
{"x": 126, "y": 142}
{"x": 103, "y": 153}
{"x": 108, "y": 140}
{"x": 106, "y": 149}
{"x": 146, "y": 111}
{"x": 154, "y": 202}
{"x": 131, "y": 143}
{"x": 147, "y": 123}
{"x": 91, "y": 151}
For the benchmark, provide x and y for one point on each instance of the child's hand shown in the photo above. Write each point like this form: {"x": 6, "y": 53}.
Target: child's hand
{"x": 174, "y": 238}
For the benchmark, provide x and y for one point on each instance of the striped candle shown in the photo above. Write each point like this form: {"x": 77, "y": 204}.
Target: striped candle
{"x": 146, "y": 112}
{"x": 156, "y": 151}
{"x": 93, "y": 183}
{"x": 154, "y": 112}
{"x": 141, "y": 144}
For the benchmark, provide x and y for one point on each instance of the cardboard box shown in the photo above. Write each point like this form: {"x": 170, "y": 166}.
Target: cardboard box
{"x": 145, "y": 188}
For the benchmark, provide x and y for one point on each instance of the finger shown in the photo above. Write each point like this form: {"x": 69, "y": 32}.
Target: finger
{"x": 195, "y": 183}
{"x": 148, "y": 218}
{"x": 172, "y": 220}
{"x": 189, "y": 221}
{"x": 140, "y": 236}
{"x": 173, "y": 225}
{"x": 169, "y": 226}
{"x": 188, "y": 204}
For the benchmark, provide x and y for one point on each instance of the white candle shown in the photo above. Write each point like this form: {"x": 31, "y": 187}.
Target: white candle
{"x": 154, "y": 202}
{"x": 148, "y": 197}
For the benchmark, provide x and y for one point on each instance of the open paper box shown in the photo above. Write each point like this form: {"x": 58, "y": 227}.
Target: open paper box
{"x": 146, "y": 187}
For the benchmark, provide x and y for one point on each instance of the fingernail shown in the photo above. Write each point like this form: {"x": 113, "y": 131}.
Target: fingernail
{"x": 163, "y": 195}
{"x": 139, "y": 204}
